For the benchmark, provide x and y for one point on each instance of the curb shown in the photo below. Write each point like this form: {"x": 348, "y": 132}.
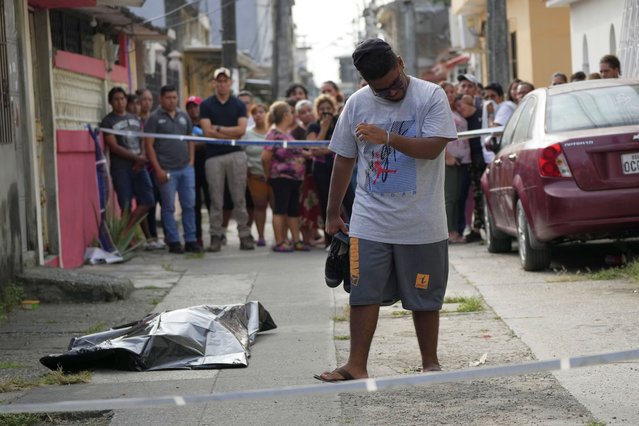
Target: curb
{"x": 53, "y": 285}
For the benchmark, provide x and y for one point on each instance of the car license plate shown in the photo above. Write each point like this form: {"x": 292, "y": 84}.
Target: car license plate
{"x": 630, "y": 163}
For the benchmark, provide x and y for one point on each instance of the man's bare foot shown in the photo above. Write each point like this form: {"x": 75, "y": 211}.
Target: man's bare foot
{"x": 429, "y": 368}
{"x": 340, "y": 374}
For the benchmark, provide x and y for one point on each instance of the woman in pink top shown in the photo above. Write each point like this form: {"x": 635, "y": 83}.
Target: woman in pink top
{"x": 284, "y": 170}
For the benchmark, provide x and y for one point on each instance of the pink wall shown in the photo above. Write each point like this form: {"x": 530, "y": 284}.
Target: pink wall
{"x": 77, "y": 182}
{"x": 77, "y": 194}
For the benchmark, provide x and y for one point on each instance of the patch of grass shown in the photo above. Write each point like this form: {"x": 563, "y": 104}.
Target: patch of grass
{"x": 471, "y": 304}
{"x": 604, "y": 274}
{"x": 595, "y": 423}
{"x": 345, "y": 315}
{"x": 20, "y": 419}
{"x": 629, "y": 271}
{"x": 168, "y": 267}
{"x": 342, "y": 337}
{"x": 15, "y": 384}
{"x": 154, "y": 302}
{"x": 95, "y": 328}
{"x": 466, "y": 304}
{"x": 10, "y": 296}
{"x": 57, "y": 377}
{"x": 8, "y": 364}
{"x": 454, "y": 299}
{"x": 401, "y": 313}
{"x": 195, "y": 256}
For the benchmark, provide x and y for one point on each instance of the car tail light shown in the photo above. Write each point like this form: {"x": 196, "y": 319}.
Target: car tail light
{"x": 552, "y": 162}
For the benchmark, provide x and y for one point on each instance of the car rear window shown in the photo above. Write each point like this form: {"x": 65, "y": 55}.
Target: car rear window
{"x": 593, "y": 108}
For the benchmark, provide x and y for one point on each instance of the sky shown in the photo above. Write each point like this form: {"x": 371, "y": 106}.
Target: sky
{"x": 329, "y": 30}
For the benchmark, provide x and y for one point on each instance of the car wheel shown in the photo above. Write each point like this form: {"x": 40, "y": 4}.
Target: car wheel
{"x": 497, "y": 241}
{"x": 532, "y": 259}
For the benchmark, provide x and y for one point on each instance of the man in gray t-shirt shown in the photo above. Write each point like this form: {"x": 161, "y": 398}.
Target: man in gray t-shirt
{"x": 130, "y": 178}
{"x": 172, "y": 160}
{"x": 396, "y": 129}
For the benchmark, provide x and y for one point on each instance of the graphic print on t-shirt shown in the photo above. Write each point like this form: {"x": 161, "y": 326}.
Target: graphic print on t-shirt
{"x": 132, "y": 143}
{"x": 389, "y": 171}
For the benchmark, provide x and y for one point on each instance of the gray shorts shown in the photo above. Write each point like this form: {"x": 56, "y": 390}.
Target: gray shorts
{"x": 382, "y": 274}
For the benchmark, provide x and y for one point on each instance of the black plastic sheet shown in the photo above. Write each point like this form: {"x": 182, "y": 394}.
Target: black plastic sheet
{"x": 198, "y": 337}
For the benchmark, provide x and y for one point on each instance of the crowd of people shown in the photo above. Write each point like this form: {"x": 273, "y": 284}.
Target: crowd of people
{"x": 238, "y": 182}
{"x": 243, "y": 181}
{"x": 475, "y": 107}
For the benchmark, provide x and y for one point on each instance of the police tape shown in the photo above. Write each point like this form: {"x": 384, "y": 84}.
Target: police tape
{"x": 229, "y": 142}
{"x": 361, "y": 385}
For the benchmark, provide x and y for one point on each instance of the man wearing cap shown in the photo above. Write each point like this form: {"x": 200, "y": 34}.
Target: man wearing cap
{"x": 469, "y": 85}
{"x": 201, "y": 187}
{"x": 396, "y": 130}
{"x": 223, "y": 116}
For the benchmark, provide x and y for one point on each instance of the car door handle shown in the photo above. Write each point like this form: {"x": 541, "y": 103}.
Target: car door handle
{"x": 512, "y": 157}
{"x": 497, "y": 162}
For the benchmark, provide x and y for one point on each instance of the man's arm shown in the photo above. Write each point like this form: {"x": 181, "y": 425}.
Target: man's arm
{"x": 421, "y": 148}
{"x": 118, "y": 150}
{"x": 191, "y": 153}
{"x": 340, "y": 179}
{"x": 209, "y": 129}
{"x": 235, "y": 132}
{"x": 223, "y": 132}
{"x": 267, "y": 157}
{"x": 153, "y": 158}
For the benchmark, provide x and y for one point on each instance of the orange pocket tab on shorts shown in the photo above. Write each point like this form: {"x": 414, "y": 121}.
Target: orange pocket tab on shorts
{"x": 422, "y": 281}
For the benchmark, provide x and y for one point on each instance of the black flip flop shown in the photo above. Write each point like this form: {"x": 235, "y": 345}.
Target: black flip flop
{"x": 342, "y": 372}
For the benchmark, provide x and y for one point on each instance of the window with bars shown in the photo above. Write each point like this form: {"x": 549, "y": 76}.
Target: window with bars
{"x": 70, "y": 33}
{"x": 6, "y": 125}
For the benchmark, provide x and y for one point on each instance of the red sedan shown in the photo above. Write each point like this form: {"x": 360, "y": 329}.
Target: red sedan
{"x": 567, "y": 169}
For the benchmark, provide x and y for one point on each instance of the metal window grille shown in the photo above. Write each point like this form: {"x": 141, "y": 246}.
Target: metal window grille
{"x": 6, "y": 134}
{"x": 70, "y": 33}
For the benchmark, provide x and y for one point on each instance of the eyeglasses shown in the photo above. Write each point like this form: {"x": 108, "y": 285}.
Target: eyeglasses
{"x": 397, "y": 84}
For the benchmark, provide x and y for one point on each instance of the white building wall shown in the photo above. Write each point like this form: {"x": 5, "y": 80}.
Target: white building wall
{"x": 79, "y": 99}
{"x": 590, "y": 25}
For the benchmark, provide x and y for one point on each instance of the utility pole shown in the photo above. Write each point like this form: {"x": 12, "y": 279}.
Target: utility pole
{"x": 370, "y": 20}
{"x": 283, "y": 44}
{"x": 277, "y": 33}
{"x": 229, "y": 41}
{"x": 497, "y": 41}
{"x": 410, "y": 37}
